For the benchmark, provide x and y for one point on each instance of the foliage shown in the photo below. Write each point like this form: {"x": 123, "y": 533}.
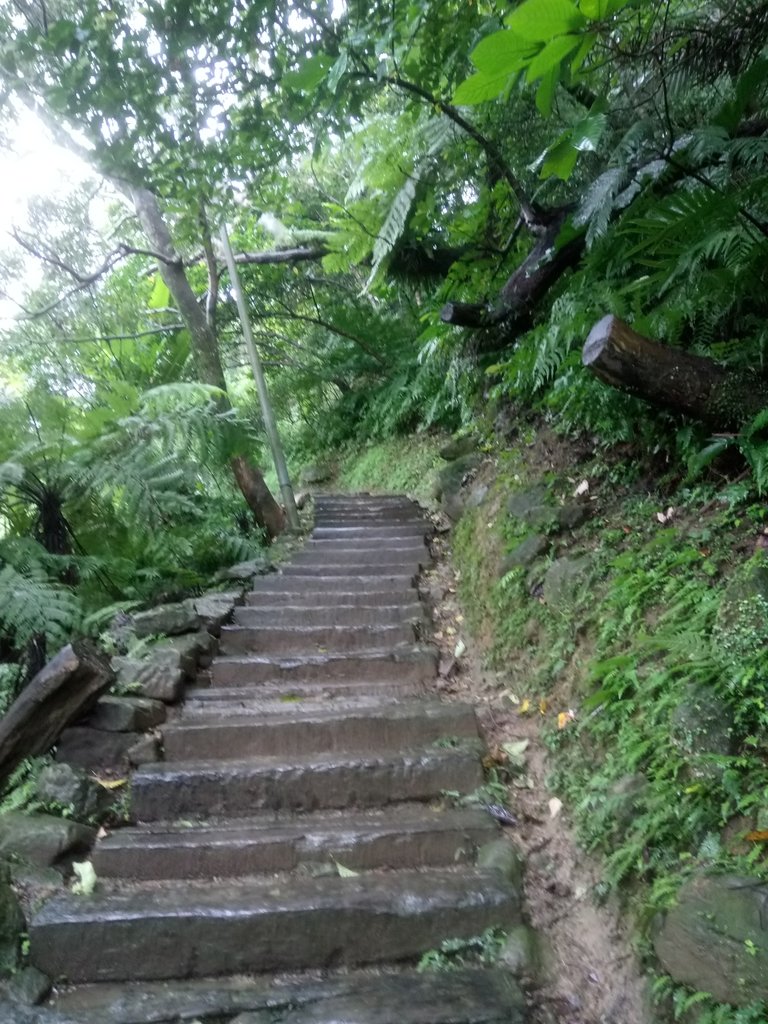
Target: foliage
{"x": 454, "y": 954}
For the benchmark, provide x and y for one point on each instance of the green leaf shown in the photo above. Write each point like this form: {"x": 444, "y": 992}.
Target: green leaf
{"x": 545, "y": 94}
{"x": 586, "y": 135}
{"x": 597, "y": 10}
{"x": 583, "y": 52}
{"x": 480, "y": 88}
{"x": 337, "y": 71}
{"x": 86, "y": 876}
{"x": 551, "y": 56}
{"x": 161, "y": 296}
{"x": 501, "y": 53}
{"x": 309, "y": 75}
{"x": 560, "y": 160}
{"x": 541, "y": 20}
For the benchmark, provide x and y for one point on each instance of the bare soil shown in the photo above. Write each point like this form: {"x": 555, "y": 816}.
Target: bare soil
{"x": 590, "y": 973}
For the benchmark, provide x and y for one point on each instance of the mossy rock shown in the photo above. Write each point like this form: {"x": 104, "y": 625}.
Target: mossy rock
{"x": 315, "y": 473}
{"x": 702, "y": 725}
{"x": 458, "y": 447}
{"x": 564, "y": 581}
{"x": 525, "y": 553}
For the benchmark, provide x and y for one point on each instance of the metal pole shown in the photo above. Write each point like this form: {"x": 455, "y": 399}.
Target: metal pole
{"x": 261, "y": 386}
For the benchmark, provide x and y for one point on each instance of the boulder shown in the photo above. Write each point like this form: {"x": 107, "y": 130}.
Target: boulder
{"x": 564, "y": 580}
{"x": 166, "y": 620}
{"x": 145, "y": 750}
{"x": 42, "y": 839}
{"x": 702, "y": 725}
{"x": 126, "y": 714}
{"x": 502, "y": 855}
{"x": 521, "y": 953}
{"x": 28, "y": 987}
{"x": 94, "y": 748}
{"x": 573, "y": 514}
{"x": 714, "y": 939}
{"x": 67, "y": 787}
{"x": 159, "y": 676}
{"x": 59, "y": 694}
{"x": 458, "y": 447}
{"x": 189, "y": 649}
{"x": 525, "y": 553}
{"x": 315, "y": 473}
{"x": 14, "y": 1013}
{"x": 215, "y": 609}
{"x": 11, "y": 923}
{"x": 451, "y": 479}
{"x": 246, "y": 570}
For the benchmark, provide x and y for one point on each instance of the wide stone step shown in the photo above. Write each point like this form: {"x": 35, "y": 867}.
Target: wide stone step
{"x": 292, "y": 731}
{"x": 288, "y": 692}
{"x": 460, "y": 996}
{"x": 325, "y": 586}
{"x": 352, "y": 518}
{"x": 352, "y": 614}
{"x": 311, "y": 639}
{"x": 319, "y": 566}
{"x": 265, "y": 926}
{"x": 412, "y": 663}
{"x": 342, "y": 554}
{"x": 249, "y": 700}
{"x": 403, "y": 836}
{"x": 376, "y": 531}
{"x": 371, "y": 546}
{"x": 221, "y": 789}
{"x": 307, "y": 596}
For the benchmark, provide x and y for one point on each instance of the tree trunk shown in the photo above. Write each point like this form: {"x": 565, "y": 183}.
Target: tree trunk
{"x": 671, "y": 379}
{"x": 266, "y": 512}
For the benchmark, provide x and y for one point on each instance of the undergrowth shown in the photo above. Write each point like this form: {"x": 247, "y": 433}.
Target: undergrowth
{"x": 393, "y": 466}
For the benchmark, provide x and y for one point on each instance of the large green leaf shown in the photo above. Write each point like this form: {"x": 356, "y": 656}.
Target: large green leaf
{"x": 309, "y": 75}
{"x": 501, "y": 53}
{"x": 551, "y": 56}
{"x": 542, "y": 20}
{"x": 480, "y": 88}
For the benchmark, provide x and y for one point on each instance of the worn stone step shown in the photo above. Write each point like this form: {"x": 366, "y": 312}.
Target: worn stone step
{"x": 352, "y": 614}
{"x": 245, "y": 695}
{"x": 321, "y": 567}
{"x": 184, "y": 789}
{"x": 378, "y": 531}
{"x": 151, "y": 933}
{"x": 413, "y": 545}
{"x": 250, "y": 701}
{"x": 306, "y": 596}
{"x": 291, "y": 731}
{"x": 410, "y": 662}
{"x": 343, "y": 554}
{"x": 322, "y": 586}
{"x": 459, "y": 996}
{"x": 325, "y": 519}
{"x": 289, "y": 640}
{"x": 402, "y": 836}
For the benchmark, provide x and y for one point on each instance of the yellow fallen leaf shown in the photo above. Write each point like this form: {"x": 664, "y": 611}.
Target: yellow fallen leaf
{"x": 760, "y": 836}
{"x": 112, "y": 783}
{"x": 86, "y": 878}
{"x": 543, "y": 706}
{"x": 525, "y": 707}
{"x": 564, "y": 718}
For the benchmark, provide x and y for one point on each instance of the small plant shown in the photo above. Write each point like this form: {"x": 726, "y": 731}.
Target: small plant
{"x": 453, "y": 954}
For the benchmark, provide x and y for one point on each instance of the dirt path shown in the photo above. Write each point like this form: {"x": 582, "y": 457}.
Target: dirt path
{"x": 590, "y": 973}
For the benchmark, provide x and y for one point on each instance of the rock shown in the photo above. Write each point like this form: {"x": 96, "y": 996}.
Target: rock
{"x": 28, "y": 987}
{"x": 166, "y": 620}
{"x": 702, "y": 725}
{"x": 572, "y": 515}
{"x": 745, "y": 598}
{"x": 714, "y": 939}
{"x": 126, "y": 714}
{"x": 502, "y": 855}
{"x": 315, "y": 473}
{"x": 563, "y": 581}
{"x": 94, "y": 748}
{"x": 458, "y": 447}
{"x": 526, "y": 503}
{"x": 215, "y": 609}
{"x": 11, "y": 923}
{"x": 625, "y": 795}
{"x": 74, "y": 790}
{"x": 246, "y": 570}
{"x": 525, "y": 553}
{"x": 452, "y": 476}
{"x": 14, "y": 1013}
{"x": 159, "y": 677}
{"x": 42, "y": 839}
{"x": 521, "y": 953}
{"x": 477, "y": 495}
{"x": 187, "y": 649}
{"x": 59, "y": 694}
{"x": 145, "y": 750}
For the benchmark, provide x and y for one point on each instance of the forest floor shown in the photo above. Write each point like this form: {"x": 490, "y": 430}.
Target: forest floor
{"x": 587, "y": 971}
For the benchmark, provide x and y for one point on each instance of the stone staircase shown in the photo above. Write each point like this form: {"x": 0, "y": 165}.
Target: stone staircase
{"x": 297, "y": 820}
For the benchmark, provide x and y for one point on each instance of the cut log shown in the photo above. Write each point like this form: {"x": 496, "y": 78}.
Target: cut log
{"x": 672, "y": 379}
{"x": 60, "y": 693}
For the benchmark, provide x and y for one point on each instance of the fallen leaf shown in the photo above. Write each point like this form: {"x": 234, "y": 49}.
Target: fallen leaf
{"x": 111, "y": 783}
{"x": 543, "y": 706}
{"x": 86, "y": 876}
{"x": 555, "y": 806}
{"x": 760, "y": 836}
{"x": 515, "y": 751}
{"x": 565, "y": 718}
{"x": 344, "y": 872}
{"x": 459, "y": 649}
{"x": 525, "y": 707}
{"x": 102, "y": 833}
{"x": 583, "y": 488}
{"x": 450, "y": 630}
{"x": 665, "y": 517}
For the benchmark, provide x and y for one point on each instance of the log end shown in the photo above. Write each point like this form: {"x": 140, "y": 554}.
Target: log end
{"x": 598, "y": 338}
{"x": 465, "y": 314}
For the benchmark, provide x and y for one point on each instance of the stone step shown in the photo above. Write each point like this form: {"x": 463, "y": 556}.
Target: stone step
{"x": 249, "y": 701}
{"x": 409, "y": 662}
{"x": 289, "y": 640}
{"x": 364, "y": 519}
{"x": 403, "y": 836}
{"x": 319, "y": 566}
{"x": 317, "y": 552}
{"x": 392, "y": 688}
{"x": 460, "y": 996}
{"x": 322, "y": 586}
{"x": 336, "y": 615}
{"x": 330, "y": 598}
{"x": 292, "y": 731}
{"x": 370, "y": 545}
{"x": 221, "y": 789}
{"x": 275, "y": 925}
{"x": 391, "y": 534}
